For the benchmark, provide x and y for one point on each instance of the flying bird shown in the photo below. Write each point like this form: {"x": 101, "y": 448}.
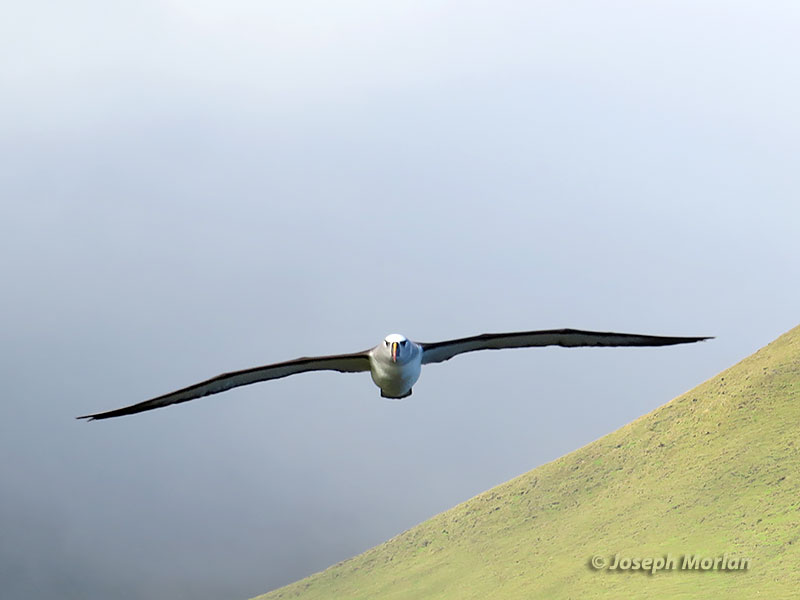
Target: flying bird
{"x": 395, "y": 364}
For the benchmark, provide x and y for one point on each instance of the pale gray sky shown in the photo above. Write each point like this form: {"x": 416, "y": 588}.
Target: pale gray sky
{"x": 194, "y": 187}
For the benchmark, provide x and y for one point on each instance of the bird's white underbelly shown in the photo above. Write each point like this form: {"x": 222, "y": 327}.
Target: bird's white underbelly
{"x": 394, "y": 379}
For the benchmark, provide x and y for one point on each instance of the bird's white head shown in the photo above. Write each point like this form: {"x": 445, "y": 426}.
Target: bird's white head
{"x": 396, "y": 344}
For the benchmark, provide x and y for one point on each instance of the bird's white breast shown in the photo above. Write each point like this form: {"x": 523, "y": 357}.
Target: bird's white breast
{"x": 395, "y": 378}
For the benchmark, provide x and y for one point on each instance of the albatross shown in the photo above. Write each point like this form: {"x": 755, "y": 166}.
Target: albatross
{"x": 396, "y": 363}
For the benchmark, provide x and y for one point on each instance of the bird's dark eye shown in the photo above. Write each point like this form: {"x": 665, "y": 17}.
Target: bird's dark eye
{"x": 404, "y": 342}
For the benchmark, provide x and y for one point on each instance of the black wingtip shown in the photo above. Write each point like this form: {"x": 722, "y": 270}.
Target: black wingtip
{"x": 690, "y": 340}
{"x": 128, "y": 410}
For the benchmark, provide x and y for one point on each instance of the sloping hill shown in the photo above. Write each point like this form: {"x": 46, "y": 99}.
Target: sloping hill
{"x": 715, "y": 471}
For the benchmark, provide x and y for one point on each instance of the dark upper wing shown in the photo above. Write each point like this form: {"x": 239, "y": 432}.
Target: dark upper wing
{"x": 344, "y": 363}
{"x": 441, "y": 351}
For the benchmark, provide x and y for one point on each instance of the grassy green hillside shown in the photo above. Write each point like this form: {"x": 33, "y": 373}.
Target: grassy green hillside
{"x": 717, "y": 470}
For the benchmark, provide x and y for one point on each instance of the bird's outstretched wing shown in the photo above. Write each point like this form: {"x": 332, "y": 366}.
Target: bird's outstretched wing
{"x": 344, "y": 363}
{"x": 440, "y": 351}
